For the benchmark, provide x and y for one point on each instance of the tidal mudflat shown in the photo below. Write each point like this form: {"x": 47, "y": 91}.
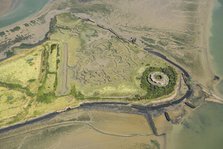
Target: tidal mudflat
{"x": 84, "y": 129}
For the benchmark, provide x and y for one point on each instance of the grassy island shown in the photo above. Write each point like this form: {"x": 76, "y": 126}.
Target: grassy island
{"x": 80, "y": 60}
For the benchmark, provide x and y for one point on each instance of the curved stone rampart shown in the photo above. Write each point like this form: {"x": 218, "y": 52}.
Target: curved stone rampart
{"x": 158, "y": 79}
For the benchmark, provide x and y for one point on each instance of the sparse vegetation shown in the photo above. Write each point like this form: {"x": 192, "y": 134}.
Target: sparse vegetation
{"x": 9, "y": 53}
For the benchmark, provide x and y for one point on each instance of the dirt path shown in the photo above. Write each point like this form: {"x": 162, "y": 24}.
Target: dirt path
{"x": 62, "y": 88}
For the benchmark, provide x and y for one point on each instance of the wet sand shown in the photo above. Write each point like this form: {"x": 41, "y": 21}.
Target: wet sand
{"x": 7, "y": 5}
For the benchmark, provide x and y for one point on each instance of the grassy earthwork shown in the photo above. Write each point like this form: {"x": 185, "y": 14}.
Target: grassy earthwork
{"x": 79, "y": 61}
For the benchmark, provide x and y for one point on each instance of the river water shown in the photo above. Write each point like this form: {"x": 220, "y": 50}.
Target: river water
{"x": 216, "y": 40}
{"x": 24, "y": 9}
{"x": 203, "y": 128}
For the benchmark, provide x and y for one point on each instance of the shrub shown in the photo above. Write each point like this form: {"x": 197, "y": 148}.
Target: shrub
{"x": 77, "y": 94}
{"x": 45, "y": 98}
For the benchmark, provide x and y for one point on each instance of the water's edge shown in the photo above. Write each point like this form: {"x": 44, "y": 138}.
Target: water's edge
{"x": 202, "y": 128}
{"x": 216, "y": 44}
{"x": 24, "y": 9}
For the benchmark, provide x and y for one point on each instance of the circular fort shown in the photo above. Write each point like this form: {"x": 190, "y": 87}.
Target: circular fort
{"x": 158, "y": 79}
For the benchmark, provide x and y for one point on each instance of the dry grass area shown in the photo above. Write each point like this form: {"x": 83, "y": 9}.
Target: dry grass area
{"x": 162, "y": 125}
{"x": 22, "y": 68}
{"x": 49, "y": 86}
{"x": 12, "y": 104}
{"x": 28, "y": 82}
{"x": 60, "y": 103}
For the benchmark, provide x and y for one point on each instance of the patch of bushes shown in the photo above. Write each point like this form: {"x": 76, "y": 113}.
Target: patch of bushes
{"x": 31, "y": 80}
{"x": 155, "y": 143}
{"x": 10, "y": 99}
{"x": 17, "y": 28}
{"x": 26, "y": 25}
{"x": 17, "y": 87}
{"x": 156, "y": 91}
{"x": 2, "y": 34}
{"x": 9, "y": 53}
{"x": 45, "y": 97}
{"x": 77, "y": 94}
